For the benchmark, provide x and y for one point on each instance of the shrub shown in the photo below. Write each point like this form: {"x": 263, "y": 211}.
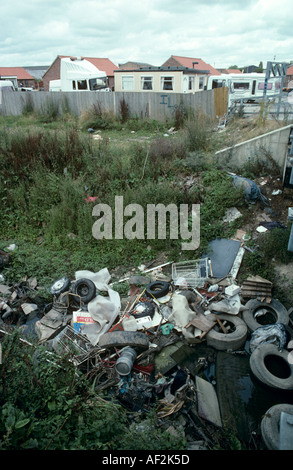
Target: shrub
{"x": 124, "y": 110}
{"x": 198, "y": 130}
{"x": 21, "y": 151}
{"x": 274, "y": 244}
{"x": 28, "y": 107}
{"x": 49, "y": 111}
{"x": 180, "y": 116}
{"x": 97, "y": 118}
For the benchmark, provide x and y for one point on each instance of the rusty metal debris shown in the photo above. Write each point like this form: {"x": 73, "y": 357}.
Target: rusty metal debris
{"x": 158, "y": 320}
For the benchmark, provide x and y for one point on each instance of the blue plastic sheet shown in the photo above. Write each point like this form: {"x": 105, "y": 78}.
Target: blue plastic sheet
{"x": 251, "y": 190}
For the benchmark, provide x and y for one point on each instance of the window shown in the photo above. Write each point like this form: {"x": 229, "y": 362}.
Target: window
{"x": 191, "y": 81}
{"x": 241, "y": 85}
{"x": 167, "y": 83}
{"x": 201, "y": 83}
{"x": 81, "y": 85}
{"x": 146, "y": 83}
{"x": 261, "y": 86}
{"x": 218, "y": 83}
{"x": 128, "y": 83}
{"x": 98, "y": 83}
{"x": 73, "y": 85}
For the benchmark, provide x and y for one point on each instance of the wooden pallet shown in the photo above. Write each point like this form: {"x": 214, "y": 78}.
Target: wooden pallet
{"x": 256, "y": 286}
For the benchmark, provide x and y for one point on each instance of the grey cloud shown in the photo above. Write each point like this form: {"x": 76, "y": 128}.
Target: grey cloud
{"x": 219, "y": 32}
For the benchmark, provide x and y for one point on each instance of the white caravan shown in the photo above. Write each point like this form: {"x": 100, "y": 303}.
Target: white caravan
{"x": 79, "y": 75}
{"x": 6, "y": 85}
{"x": 245, "y": 85}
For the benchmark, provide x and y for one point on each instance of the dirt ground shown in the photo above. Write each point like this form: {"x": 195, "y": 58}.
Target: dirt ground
{"x": 276, "y": 211}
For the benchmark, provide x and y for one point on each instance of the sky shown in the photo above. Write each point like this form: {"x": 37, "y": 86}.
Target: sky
{"x": 230, "y": 32}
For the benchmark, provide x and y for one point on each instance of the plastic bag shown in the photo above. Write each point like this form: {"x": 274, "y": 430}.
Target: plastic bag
{"x": 275, "y": 334}
{"x": 251, "y": 190}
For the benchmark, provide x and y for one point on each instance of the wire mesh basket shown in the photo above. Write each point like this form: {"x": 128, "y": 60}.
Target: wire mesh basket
{"x": 80, "y": 348}
{"x": 191, "y": 273}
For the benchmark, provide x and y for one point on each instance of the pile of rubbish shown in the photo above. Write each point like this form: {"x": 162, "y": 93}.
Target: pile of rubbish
{"x": 127, "y": 344}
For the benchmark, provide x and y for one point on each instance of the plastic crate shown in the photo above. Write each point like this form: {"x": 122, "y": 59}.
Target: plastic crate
{"x": 193, "y": 273}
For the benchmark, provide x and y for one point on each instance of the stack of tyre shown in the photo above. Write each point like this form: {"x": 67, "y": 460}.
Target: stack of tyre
{"x": 260, "y": 360}
{"x": 266, "y": 352}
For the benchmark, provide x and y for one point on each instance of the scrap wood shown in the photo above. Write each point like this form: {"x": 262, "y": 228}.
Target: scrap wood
{"x": 146, "y": 271}
{"x": 201, "y": 322}
{"x": 237, "y": 262}
{"x": 256, "y": 286}
{"x": 222, "y": 326}
{"x": 168, "y": 408}
{"x": 259, "y": 279}
{"x": 124, "y": 314}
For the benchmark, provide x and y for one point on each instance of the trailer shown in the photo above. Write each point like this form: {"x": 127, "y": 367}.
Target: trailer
{"x": 79, "y": 75}
{"x": 6, "y": 85}
{"x": 248, "y": 86}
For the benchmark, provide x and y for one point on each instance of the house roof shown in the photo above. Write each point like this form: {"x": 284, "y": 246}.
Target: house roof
{"x": 234, "y": 71}
{"x": 164, "y": 69}
{"x": 229, "y": 71}
{"x": 290, "y": 70}
{"x": 189, "y": 62}
{"x": 18, "y": 72}
{"x": 102, "y": 64}
{"x": 132, "y": 63}
{"x": 37, "y": 71}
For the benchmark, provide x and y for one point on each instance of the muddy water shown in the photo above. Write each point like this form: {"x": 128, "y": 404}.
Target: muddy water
{"x": 243, "y": 400}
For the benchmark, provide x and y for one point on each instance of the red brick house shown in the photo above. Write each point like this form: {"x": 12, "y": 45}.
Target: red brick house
{"x": 53, "y": 73}
{"x": 18, "y": 75}
{"x": 189, "y": 62}
{"x": 289, "y": 76}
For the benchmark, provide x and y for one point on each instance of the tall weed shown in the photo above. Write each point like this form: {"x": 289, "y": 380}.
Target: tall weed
{"x": 21, "y": 150}
{"x": 198, "y": 130}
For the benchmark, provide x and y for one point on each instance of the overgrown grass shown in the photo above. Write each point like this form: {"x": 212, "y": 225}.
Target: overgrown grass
{"x": 49, "y": 167}
{"x": 47, "y": 176}
{"x": 46, "y": 404}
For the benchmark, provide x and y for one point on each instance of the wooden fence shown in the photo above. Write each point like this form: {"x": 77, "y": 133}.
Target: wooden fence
{"x": 158, "y": 106}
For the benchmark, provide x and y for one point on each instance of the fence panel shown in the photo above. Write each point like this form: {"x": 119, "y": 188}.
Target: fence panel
{"x": 158, "y": 106}
{"x": 221, "y": 101}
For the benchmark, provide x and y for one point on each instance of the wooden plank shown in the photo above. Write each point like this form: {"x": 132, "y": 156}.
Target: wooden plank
{"x": 201, "y": 322}
{"x": 220, "y": 101}
{"x": 222, "y": 326}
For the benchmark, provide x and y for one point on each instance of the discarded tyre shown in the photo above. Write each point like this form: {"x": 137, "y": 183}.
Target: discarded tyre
{"x": 144, "y": 309}
{"x": 85, "y": 289}
{"x": 157, "y": 289}
{"x": 270, "y": 423}
{"x": 275, "y": 313}
{"x": 235, "y": 336}
{"x": 119, "y": 339}
{"x": 271, "y": 367}
{"x": 60, "y": 286}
